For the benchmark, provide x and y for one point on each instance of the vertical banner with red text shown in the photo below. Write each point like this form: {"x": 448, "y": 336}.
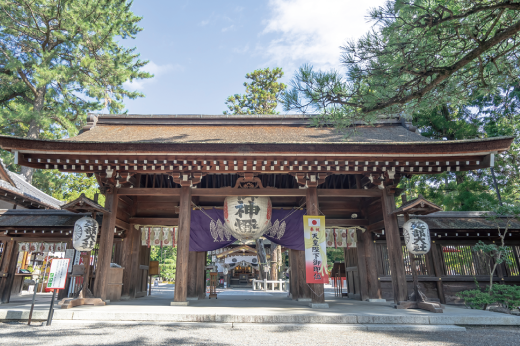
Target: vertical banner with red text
{"x": 315, "y": 249}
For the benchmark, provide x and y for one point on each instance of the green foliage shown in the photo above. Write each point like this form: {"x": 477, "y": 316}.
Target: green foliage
{"x": 502, "y": 216}
{"x": 489, "y": 116}
{"x": 261, "y": 95}
{"x": 60, "y": 59}
{"x": 168, "y": 269}
{"x": 476, "y": 299}
{"x": 167, "y": 258}
{"x": 505, "y": 295}
{"x": 334, "y": 255}
{"x": 419, "y": 53}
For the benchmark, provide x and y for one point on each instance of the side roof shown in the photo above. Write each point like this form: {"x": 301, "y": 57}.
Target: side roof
{"x": 14, "y": 184}
{"x": 38, "y": 218}
{"x": 460, "y": 220}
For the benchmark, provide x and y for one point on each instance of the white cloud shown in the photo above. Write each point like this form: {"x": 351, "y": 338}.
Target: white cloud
{"x": 204, "y": 22}
{"x": 156, "y": 70}
{"x": 312, "y": 31}
{"x": 231, "y": 27}
{"x": 241, "y": 50}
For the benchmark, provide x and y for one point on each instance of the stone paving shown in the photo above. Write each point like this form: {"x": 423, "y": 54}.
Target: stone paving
{"x": 247, "y": 306}
{"x": 146, "y": 333}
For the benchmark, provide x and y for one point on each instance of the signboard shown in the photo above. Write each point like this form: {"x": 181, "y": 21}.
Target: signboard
{"x": 315, "y": 249}
{"x": 58, "y": 273}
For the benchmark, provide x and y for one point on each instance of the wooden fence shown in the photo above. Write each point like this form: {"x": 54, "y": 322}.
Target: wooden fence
{"x": 460, "y": 266}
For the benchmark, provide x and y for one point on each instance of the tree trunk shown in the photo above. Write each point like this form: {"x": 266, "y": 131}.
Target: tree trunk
{"x": 34, "y": 133}
{"x": 34, "y": 128}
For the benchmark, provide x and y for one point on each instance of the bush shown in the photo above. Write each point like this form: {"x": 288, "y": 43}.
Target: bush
{"x": 476, "y": 299}
{"x": 507, "y": 296}
{"x": 504, "y": 295}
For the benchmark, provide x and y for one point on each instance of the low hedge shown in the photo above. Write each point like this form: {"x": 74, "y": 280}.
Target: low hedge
{"x": 505, "y": 295}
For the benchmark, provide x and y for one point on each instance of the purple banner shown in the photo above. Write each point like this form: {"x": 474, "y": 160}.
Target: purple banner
{"x": 207, "y": 230}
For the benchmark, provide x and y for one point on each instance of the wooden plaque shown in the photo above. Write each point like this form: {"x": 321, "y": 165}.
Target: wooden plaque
{"x": 153, "y": 268}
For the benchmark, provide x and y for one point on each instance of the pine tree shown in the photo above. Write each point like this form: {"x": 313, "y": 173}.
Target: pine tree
{"x": 261, "y": 95}
{"x": 60, "y": 59}
{"x": 419, "y": 53}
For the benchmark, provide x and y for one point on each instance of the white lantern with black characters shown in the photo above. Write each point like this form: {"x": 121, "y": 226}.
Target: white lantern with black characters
{"x": 247, "y": 218}
{"x": 417, "y": 236}
{"x": 85, "y": 234}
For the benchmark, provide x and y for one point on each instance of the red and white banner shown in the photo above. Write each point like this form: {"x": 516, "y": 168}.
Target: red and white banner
{"x": 315, "y": 249}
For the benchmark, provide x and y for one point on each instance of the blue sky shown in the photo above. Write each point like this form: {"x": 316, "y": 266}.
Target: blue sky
{"x": 200, "y": 51}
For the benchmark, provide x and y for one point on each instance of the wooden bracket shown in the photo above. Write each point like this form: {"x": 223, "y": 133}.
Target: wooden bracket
{"x": 249, "y": 181}
{"x": 185, "y": 179}
{"x": 310, "y": 179}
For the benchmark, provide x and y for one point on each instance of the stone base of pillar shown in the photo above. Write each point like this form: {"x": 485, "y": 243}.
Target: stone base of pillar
{"x": 179, "y": 303}
{"x": 305, "y": 300}
{"x": 376, "y": 300}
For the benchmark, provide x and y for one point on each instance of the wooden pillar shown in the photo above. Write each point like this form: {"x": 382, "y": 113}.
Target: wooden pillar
{"x": 192, "y": 275}
{"x": 106, "y": 242}
{"x": 130, "y": 261}
{"x": 293, "y": 276}
{"x": 304, "y": 291}
{"x": 201, "y": 274}
{"x": 317, "y": 290}
{"x": 133, "y": 280}
{"x": 437, "y": 267}
{"x": 374, "y": 288}
{"x": 183, "y": 246}
{"x": 395, "y": 252}
{"x": 362, "y": 266}
{"x": 8, "y": 268}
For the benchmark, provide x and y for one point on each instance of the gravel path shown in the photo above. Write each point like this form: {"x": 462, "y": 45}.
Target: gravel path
{"x": 138, "y": 333}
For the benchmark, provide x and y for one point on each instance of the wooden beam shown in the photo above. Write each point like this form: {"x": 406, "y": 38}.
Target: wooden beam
{"x": 376, "y": 226}
{"x": 122, "y": 224}
{"x": 35, "y": 239}
{"x": 163, "y": 221}
{"x": 346, "y": 222}
{"x": 228, "y": 191}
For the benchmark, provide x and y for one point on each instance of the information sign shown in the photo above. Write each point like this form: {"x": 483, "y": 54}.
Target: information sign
{"x": 58, "y": 273}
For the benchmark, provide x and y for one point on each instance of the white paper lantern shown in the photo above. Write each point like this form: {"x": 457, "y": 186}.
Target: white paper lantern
{"x": 417, "y": 236}
{"x": 85, "y": 234}
{"x": 247, "y": 217}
